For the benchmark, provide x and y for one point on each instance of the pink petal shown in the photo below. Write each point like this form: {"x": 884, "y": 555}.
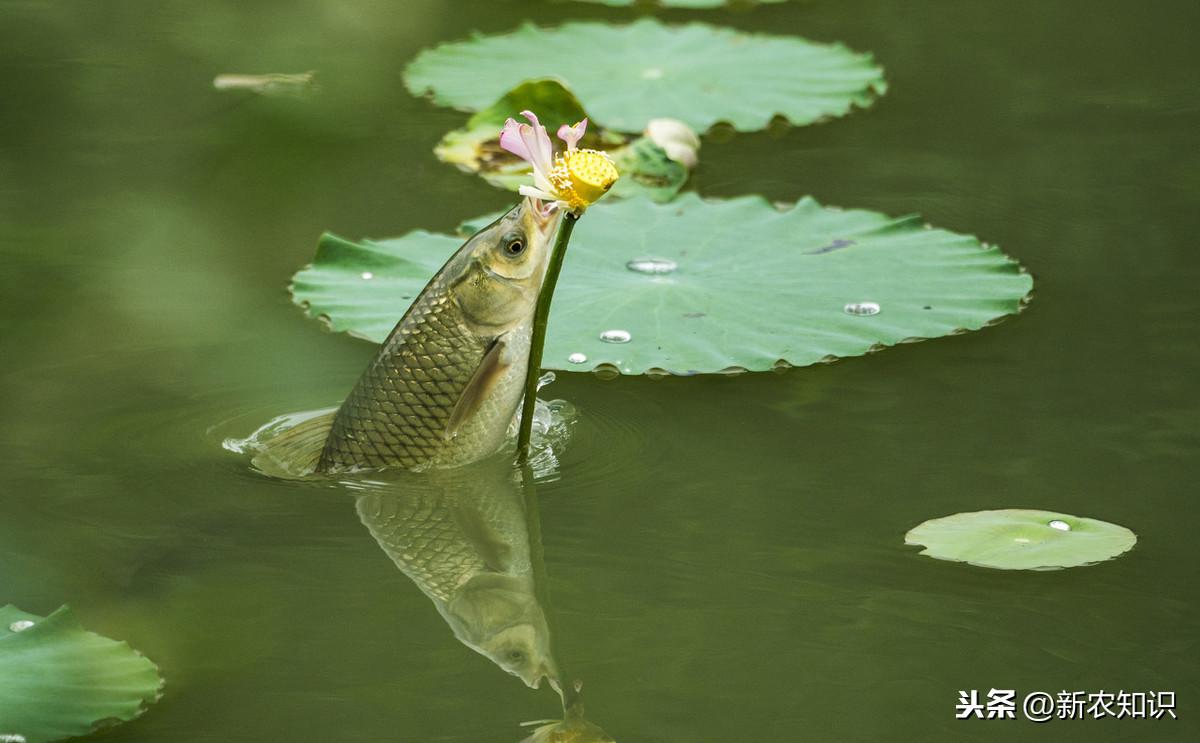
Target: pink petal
{"x": 538, "y": 142}
{"x": 511, "y": 140}
{"x": 572, "y": 134}
{"x": 536, "y": 193}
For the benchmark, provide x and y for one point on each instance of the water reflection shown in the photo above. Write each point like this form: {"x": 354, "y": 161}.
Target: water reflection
{"x": 470, "y": 540}
{"x": 461, "y": 536}
{"x": 573, "y": 728}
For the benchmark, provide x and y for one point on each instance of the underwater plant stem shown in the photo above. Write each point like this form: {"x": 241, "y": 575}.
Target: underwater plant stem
{"x": 540, "y": 318}
{"x": 541, "y": 585}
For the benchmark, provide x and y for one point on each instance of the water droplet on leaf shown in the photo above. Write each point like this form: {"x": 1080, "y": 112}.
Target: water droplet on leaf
{"x": 367, "y": 275}
{"x": 652, "y": 265}
{"x": 577, "y": 358}
{"x": 20, "y": 625}
{"x": 616, "y": 336}
{"x": 1060, "y": 525}
{"x": 862, "y": 309}
{"x": 606, "y": 371}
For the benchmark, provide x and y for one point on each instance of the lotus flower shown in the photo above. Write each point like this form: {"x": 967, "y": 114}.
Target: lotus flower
{"x": 574, "y": 179}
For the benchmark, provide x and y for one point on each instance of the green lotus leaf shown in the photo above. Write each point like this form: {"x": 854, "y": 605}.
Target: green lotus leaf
{"x": 714, "y": 286}
{"x": 61, "y": 681}
{"x": 630, "y": 74}
{"x": 644, "y": 166}
{"x": 1021, "y": 539}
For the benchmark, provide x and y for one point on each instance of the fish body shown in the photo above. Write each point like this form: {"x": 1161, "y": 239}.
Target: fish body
{"x": 463, "y": 540}
{"x": 447, "y": 381}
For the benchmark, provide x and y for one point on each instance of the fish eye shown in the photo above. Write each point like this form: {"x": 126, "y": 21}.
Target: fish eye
{"x": 514, "y": 247}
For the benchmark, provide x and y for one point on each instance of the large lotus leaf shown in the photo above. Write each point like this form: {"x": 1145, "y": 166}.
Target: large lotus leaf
{"x": 60, "y": 681}
{"x": 753, "y": 286}
{"x": 1021, "y": 539}
{"x": 696, "y": 73}
{"x": 644, "y": 166}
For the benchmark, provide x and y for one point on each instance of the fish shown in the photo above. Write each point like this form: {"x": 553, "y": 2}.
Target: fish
{"x": 462, "y": 537}
{"x": 444, "y": 387}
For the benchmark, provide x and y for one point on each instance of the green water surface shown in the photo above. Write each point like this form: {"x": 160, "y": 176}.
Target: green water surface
{"x": 725, "y": 556}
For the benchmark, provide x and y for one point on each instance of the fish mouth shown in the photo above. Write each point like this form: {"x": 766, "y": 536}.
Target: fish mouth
{"x": 545, "y": 214}
{"x": 546, "y": 671}
{"x": 549, "y": 672}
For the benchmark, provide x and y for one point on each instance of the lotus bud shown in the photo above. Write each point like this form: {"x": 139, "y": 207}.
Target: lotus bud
{"x": 676, "y": 138}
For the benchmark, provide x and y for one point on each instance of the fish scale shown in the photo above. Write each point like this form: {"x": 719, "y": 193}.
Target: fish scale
{"x": 462, "y": 536}
{"x": 398, "y": 411}
{"x": 444, "y": 387}
{"x": 421, "y": 536}
{"x": 422, "y": 529}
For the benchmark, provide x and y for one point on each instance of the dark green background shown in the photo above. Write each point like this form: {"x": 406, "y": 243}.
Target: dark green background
{"x": 726, "y": 555}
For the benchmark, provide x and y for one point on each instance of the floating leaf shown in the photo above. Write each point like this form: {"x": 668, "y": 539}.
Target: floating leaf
{"x": 693, "y": 4}
{"x": 61, "y": 681}
{"x": 274, "y": 84}
{"x": 1021, "y": 539}
{"x": 644, "y": 166}
{"x": 696, "y": 73}
{"x": 701, "y": 286}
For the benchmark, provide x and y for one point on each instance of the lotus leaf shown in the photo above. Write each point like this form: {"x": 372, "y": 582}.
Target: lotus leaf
{"x": 1021, "y": 539}
{"x": 706, "y": 286}
{"x": 61, "y": 681}
{"x": 644, "y": 166}
{"x": 630, "y": 74}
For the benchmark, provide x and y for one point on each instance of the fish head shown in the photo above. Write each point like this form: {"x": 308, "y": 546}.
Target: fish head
{"x": 507, "y": 263}
{"x": 498, "y": 616}
{"x": 521, "y": 650}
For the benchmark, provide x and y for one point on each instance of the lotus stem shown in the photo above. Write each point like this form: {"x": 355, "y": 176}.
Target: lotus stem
{"x": 541, "y": 316}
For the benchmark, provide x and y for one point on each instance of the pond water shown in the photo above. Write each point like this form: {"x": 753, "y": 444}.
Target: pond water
{"x": 723, "y": 558}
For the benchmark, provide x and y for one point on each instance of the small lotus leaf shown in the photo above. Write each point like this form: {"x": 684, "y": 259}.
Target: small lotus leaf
{"x": 644, "y": 166}
{"x": 753, "y": 287}
{"x": 62, "y": 681}
{"x": 697, "y": 73}
{"x": 1021, "y": 539}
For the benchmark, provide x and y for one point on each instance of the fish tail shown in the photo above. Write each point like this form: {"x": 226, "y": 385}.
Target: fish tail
{"x": 295, "y": 452}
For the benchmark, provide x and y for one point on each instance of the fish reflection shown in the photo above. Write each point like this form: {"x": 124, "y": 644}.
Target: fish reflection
{"x": 462, "y": 537}
{"x": 470, "y": 539}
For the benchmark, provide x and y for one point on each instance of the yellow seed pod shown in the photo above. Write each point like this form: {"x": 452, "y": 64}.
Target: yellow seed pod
{"x": 581, "y": 177}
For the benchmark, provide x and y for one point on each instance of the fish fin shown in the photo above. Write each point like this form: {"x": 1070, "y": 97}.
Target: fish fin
{"x": 496, "y": 553}
{"x": 491, "y": 368}
{"x": 295, "y": 451}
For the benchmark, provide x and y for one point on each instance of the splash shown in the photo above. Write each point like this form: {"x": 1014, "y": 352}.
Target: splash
{"x": 553, "y": 422}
